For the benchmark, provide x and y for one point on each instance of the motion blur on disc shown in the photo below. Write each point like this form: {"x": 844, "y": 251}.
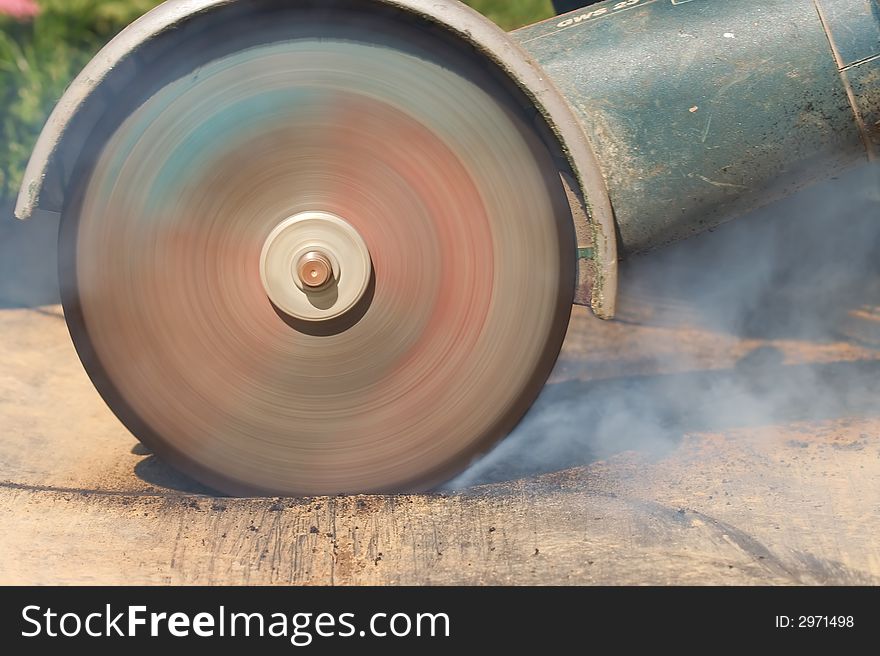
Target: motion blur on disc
{"x": 325, "y": 254}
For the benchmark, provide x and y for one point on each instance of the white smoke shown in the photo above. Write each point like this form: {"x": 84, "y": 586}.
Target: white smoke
{"x": 802, "y": 275}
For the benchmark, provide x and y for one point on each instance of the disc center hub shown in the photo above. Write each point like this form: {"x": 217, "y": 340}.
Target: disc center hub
{"x": 315, "y": 266}
{"x": 314, "y": 269}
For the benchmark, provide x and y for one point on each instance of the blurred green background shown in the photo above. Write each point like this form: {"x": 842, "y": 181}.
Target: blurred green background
{"x": 40, "y": 56}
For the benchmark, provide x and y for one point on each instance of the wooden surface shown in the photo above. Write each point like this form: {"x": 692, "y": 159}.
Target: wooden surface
{"x": 670, "y": 446}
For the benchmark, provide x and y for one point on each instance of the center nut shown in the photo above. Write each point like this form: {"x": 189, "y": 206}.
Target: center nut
{"x": 315, "y": 269}
{"x": 315, "y": 266}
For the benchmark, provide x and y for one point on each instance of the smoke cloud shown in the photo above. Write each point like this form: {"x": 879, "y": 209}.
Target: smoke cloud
{"x": 770, "y": 319}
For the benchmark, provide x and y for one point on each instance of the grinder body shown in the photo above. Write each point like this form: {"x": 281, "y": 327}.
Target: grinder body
{"x": 693, "y": 111}
{"x": 700, "y": 110}
{"x": 453, "y": 188}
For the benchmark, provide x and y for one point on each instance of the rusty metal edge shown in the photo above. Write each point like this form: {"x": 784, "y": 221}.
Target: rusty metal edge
{"x": 453, "y": 16}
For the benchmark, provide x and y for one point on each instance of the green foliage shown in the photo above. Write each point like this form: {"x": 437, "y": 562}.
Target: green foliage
{"x": 39, "y": 58}
{"x": 510, "y": 14}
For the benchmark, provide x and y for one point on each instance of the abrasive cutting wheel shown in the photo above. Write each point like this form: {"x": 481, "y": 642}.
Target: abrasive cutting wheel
{"x": 321, "y": 254}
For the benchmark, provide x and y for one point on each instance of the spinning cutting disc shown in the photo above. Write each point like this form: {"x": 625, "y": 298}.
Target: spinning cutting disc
{"x": 333, "y": 259}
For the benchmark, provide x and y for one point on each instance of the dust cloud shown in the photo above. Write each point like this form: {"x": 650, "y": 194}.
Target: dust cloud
{"x": 771, "y": 319}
